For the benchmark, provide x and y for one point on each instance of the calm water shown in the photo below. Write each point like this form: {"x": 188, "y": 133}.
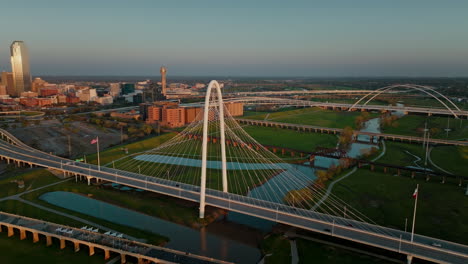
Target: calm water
{"x": 181, "y": 237}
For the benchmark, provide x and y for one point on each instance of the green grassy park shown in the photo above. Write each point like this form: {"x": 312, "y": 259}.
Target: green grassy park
{"x": 313, "y": 116}
{"x": 32, "y": 178}
{"x": 315, "y": 252}
{"x": 276, "y": 249}
{"x": 387, "y": 200}
{"x": 290, "y": 139}
{"x": 413, "y": 125}
{"x": 451, "y": 158}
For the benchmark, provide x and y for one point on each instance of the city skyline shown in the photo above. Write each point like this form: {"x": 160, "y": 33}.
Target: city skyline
{"x": 268, "y": 38}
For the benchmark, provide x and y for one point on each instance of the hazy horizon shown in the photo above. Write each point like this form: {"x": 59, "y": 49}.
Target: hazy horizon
{"x": 242, "y": 39}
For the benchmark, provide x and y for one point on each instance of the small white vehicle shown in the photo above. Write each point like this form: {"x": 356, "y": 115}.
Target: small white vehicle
{"x": 434, "y": 244}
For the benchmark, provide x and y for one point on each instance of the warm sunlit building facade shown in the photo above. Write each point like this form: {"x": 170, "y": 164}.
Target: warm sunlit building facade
{"x": 20, "y": 67}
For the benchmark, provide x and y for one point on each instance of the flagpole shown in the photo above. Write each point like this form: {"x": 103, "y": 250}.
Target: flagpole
{"x": 98, "y": 159}
{"x": 414, "y": 213}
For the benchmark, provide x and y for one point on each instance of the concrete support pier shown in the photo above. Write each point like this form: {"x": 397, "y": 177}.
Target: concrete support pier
{"x": 409, "y": 259}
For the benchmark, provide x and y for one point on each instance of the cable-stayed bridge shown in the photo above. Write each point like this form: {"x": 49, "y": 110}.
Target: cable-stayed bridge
{"x": 215, "y": 162}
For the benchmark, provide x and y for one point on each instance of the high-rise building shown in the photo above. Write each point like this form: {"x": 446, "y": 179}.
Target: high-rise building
{"x": 20, "y": 67}
{"x": 127, "y": 88}
{"x": 8, "y": 82}
{"x": 163, "y": 71}
{"x": 114, "y": 89}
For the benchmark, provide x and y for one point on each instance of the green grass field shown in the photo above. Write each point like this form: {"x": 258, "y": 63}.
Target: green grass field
{"x": 279, "y": 248}
{"x": 413, "y": 125}
{"x": 387, "y": 199}
{"x": 287, "y": 138}
{"x": 313, "y": 116}
{"x": 117, "y": 152}
{"x": 451, "y": 158}
{"x": 32, "y": 178}
{"x": 314, "y": 252}
{"x": 398, "y": 153}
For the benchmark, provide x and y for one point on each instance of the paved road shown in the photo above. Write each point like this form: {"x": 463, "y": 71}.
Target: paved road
{"x": 295, "y": 102}
{"x": 381, "y": 237}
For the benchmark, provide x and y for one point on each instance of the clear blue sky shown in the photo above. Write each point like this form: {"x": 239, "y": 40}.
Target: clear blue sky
{"x": 239, "y": 38}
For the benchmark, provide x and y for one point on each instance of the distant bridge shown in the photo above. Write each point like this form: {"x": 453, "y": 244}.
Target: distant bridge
{"x": 347, "y": 107}
{"x": 373, "y": 136}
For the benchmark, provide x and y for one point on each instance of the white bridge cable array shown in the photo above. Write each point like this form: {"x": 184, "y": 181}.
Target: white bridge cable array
{"x": 252, "y": 169}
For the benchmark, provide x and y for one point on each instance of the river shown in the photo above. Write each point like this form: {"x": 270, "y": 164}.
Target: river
{"x": 181, "y": 237}
{"x": 204, "y": 242}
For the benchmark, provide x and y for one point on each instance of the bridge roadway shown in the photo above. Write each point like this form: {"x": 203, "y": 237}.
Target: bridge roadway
{"x": 372, "y": 135}
{"x": 361, "y": 232}
{"x": 145, "y": 253}
{"x": 381, "y": 108}
{"x": 298, "y": 92}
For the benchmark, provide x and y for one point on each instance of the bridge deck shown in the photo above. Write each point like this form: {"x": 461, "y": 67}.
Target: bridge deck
{"x": 339, "y": 130}
{"x": 99, "y": 240}
{"x": 361, "y": 232}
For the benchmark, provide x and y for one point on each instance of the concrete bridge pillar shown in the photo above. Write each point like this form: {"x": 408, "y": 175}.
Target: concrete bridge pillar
{"x": 48, "y": 240}
{"x": 427, "y": 177}
{"x": 91, "y": 250}
{"x": 385, "y": 169}
{"x": 22, "y": 234}
{"x": 412, "y": 174}
{"x": 459, "y": 184}
{"x": 398, "y": 172}
{"x": 11, "y": 232}
{"x": 312, "y": 160}
{"x": 77, "y": 246}
{"x": 89, "y": 180}
{"x": 62, "y": 243}
{"x": 443, "y": 179}
{"x": 35, "y": 237}
{"x": 123, "y": 259}
{"x": 409, "y": 259}
{"x": 106, "y": 254}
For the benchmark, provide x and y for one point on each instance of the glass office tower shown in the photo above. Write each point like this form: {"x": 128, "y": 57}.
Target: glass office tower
{"x": 20, "y": 67}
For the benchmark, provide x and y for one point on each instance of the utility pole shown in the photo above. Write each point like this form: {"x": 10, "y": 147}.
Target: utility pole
{"x": 425, "y": 132}
{"x": 448, "y": 125}
{"x": 69, "y": 147}
{"x": 427, "y": 149}
{"x": 415, "y": 195}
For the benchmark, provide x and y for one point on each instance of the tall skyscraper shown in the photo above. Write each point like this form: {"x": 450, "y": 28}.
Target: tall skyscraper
{"x": 8, "y": 82}
{"x": 163, "y": 79}
{"x": 20, "y": 67}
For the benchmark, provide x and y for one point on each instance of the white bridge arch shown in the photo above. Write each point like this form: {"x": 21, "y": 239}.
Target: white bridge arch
{"x": 420, "y": 88}
{"x": 206, "y": 109}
